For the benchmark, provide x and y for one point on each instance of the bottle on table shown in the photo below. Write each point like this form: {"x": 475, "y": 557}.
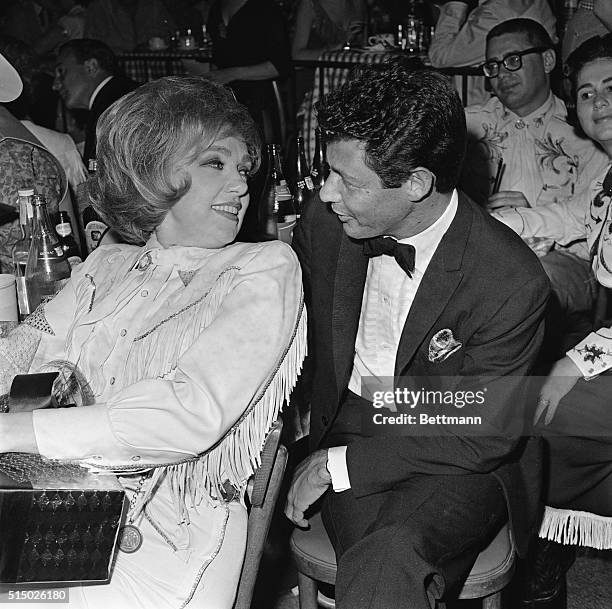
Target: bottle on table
{"x": 320, "y": 168}
{"x": 66, "y": 238}
{"x": 93, "y": 226}
{"x": 400, "y": 39}
{"x": 268, "y": 206}
{"x": 414, "y": 27}
{"x": 21, "y": 251}
{"x": 304, "y": 185}
{"x": 286, "y": 212}
{"x": 47, "y": 269}
{"x": 206, "y": 39}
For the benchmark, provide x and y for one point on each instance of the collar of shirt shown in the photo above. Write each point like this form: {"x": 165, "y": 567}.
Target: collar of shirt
{"x": 586, "y": 4}
{"x": 97, "y": 90}
{"x": 538, "y": 118}
{"x": 426, "y": 242}
{"x": 184, "y": 257}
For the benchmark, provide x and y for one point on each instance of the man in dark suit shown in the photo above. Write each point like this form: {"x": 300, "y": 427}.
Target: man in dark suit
{"x": 454, "y": 301}
{"x": 86, "y": 79}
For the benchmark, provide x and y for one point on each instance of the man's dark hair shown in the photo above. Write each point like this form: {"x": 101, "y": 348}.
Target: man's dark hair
{"x": 598, "y": 47}
{"x": 535, "y": 32}
{"x": 83, "y": 49}
{"x": 407, "y": 116}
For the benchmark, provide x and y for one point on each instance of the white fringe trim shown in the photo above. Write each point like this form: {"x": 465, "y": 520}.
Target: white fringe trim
{"x": 236, "y": 457}
{"x": 571, "y": 527}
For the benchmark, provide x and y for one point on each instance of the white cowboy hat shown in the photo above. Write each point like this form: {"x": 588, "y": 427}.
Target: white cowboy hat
{"x": 10, "y": 82}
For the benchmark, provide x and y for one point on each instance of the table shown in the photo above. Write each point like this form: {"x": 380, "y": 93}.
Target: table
{"x": 143, "y": 66}
{"x": 332, "y": 69}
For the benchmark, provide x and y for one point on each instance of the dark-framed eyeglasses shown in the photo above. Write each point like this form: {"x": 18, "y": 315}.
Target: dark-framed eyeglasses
{"x": 512, "y": 62}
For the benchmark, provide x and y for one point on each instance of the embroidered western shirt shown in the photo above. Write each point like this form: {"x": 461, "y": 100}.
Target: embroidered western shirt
{"x": 544, "y": 157}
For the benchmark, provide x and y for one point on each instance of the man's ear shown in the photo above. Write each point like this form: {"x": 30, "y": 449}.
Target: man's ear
{"x": 550, "y": 59}
{"x": 92, "y": 67}
{"x": 419, "y": 184}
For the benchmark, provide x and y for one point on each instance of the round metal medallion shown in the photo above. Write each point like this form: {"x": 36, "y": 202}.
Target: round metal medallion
{"x": 130, "y": 539}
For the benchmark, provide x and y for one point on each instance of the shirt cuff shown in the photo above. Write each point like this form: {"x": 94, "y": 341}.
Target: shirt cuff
{"x": 593, "y": 355}
{"x": 338, "y": 470}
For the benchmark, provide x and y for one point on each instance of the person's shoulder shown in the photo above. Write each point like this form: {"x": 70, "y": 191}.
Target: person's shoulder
{"x": 265, "y": 254}
{"x": 48, "y": 137}
{"x": 499, "y": 250}
{"x": 114, "y": 254}
{"x": 492, "y": 108}
{"x": 106, "y": 261}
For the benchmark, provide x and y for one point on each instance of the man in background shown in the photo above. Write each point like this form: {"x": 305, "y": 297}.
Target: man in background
{"x": 462, "y": 26}
{"x": 86, "y": 79}
{"x": 522, "y": 137}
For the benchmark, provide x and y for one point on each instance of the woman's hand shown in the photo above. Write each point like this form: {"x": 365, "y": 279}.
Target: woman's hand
{"x": 563, "y": 376}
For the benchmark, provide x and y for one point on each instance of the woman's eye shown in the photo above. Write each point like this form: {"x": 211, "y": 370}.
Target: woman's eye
{"x": 244, "y": 172}
{"x": 585, "y": 95}
{"x": 215, "y": 164}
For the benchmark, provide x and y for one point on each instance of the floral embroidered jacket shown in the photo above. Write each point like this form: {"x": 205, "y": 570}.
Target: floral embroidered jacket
{"x": 544, "y": 157}
{"x": 566, "y": 221}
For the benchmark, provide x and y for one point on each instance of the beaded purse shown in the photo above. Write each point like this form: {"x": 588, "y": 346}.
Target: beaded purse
{"x": 59, "y": 522}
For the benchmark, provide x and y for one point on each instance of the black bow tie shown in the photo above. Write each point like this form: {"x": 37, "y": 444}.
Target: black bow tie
{"x": 403, "y": 253}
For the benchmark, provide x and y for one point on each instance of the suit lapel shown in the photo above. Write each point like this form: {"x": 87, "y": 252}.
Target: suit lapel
{"x": 440, "y": 281}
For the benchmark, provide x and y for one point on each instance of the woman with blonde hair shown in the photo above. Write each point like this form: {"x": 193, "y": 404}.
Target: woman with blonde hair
{"x": 187, "y": 342}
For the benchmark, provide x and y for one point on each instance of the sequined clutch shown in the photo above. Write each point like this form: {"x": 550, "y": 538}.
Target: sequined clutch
{"x": 58, "y": 521}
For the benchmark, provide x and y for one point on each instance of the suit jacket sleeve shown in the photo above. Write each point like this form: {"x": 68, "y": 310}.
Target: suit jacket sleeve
{"x": 504, "y": 348}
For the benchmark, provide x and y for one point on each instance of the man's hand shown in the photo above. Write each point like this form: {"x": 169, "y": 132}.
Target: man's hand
{"x": 563, "y": 376}
{"x": 505, "y": 199}
{"x": 310, "y": 481}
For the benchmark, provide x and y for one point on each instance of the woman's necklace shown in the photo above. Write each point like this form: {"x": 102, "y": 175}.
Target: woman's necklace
{"x": 130, "y": 537}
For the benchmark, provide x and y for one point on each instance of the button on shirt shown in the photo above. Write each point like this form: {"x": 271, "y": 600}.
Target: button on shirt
{"x": 387, "y": 297}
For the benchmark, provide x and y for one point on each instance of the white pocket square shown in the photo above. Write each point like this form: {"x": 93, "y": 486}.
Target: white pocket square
{"x": 442, "y": 344}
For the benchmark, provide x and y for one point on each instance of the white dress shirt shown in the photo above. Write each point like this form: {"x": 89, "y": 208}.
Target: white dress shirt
{"x": 387, "y": 297}
{"x": 97, "y": 90}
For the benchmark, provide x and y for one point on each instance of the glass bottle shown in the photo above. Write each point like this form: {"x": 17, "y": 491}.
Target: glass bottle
{"x": 188, "y": 42}
{"x": 66, "y": 239}
{"x": 206, "y": 39}
{"x": 286, "y": 212}
{"x": 320, "y": 168}
{"x": 303, "y": 182}
{"x": 47, "y": 268}
{"x": 268, "y": 206}
{"x": 21, "y": 250}
{"x": 93, "y": 226}
{"x": 413, "y": 32}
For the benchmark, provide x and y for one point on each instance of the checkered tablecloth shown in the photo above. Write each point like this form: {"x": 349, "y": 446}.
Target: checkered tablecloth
{"x": 150, "y": 65}
{"x": 333, "y": 77}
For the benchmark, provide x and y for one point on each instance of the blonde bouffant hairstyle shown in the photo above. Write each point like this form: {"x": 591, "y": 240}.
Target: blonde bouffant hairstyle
{"x": 145, "y": 138}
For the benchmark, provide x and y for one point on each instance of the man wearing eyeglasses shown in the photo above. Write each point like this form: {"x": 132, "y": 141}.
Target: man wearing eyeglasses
{"x": 522, "y": 152}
